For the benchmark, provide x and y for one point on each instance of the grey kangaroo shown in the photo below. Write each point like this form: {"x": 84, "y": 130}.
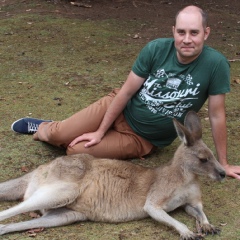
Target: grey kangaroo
{"x": 81, "y": 187}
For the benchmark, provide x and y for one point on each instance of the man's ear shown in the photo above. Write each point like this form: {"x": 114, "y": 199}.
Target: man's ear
{"x": 173, "y": 30}
{"x": 207, "y": 33}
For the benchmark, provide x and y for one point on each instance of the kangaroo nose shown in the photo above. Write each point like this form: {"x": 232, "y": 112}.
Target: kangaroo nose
{"x": 222, "y": 174}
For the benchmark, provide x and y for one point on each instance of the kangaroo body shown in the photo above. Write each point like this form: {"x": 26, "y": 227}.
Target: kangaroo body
{"x": 81, "y": 187}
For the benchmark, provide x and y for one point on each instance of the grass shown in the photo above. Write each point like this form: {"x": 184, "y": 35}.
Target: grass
{"x": 52, "y": 66}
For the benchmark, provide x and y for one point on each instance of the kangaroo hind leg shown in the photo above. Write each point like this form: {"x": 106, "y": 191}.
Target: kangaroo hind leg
{"x": 46, "y": 197}
{"x": 52, "y": 218}
{"x": 14, "y": 189}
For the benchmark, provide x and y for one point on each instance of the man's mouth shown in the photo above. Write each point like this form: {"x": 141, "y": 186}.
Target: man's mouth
{"x": 187, "y": 47}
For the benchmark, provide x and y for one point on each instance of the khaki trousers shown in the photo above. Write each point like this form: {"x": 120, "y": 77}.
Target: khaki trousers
{"x": 120, "y": 142}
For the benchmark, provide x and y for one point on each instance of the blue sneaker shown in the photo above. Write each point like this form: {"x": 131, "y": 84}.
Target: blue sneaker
{"x": 27, "y": 125}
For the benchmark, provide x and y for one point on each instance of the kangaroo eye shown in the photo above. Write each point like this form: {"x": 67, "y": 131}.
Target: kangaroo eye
{"x": 203, "y": 160}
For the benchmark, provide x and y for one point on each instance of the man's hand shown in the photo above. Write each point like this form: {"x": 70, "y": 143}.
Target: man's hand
{"x": 232, "y": 171}
{"x": 93, "y": 138}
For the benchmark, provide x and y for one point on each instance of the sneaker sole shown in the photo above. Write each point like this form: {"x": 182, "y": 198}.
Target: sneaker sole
{"x": 14, "y": 123}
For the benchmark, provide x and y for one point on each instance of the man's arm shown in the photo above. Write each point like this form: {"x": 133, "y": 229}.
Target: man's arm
{"x": 129, "y": 88}
{"x": 217, "y": 116}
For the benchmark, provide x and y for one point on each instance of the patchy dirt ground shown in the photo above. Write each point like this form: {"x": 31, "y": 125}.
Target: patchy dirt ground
{"x": 157, "y": 15}
{"x": 55, "y": 57}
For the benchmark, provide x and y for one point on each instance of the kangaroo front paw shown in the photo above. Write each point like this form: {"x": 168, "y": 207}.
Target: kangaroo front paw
{"x": 210, "y": 229}
{"x": 191, "y": 236}
{"x": 207, "y": 229}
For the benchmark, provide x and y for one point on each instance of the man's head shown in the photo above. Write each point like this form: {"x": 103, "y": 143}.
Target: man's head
{"x": 203, "y": 13}
{"x": 190, "y": 31}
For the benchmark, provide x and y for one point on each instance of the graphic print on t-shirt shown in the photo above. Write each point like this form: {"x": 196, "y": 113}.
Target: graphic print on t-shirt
{"x": 168, "y": 94}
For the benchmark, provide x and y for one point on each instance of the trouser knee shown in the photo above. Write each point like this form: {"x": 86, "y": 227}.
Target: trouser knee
{"x": 50, "y": 133}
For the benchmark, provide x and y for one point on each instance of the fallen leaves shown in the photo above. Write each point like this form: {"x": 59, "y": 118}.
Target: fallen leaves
{"x": 223, "y": 224}
{"x": 236, "y": 81}
{"x": 34, "y": 232}
{"x": 24, "y": 169}
{"x": 34, "y": 215}
{"x": 233, "y": 60}
{"x": 29, "y": 86}
{"x": 136, "y": 36}
{"x": 79, "y": 4}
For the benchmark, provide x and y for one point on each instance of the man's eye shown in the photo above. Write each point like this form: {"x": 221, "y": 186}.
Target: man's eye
{"x": 180, "y": 32}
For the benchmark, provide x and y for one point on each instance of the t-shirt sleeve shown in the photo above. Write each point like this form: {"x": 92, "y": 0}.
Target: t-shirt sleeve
{"x": 151, "y": 56}
{"x": 142, "y": 65}
{"x": 220, "y": 78}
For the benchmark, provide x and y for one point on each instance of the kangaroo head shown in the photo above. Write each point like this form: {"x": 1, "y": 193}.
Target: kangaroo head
{"x": 197, "y": 158}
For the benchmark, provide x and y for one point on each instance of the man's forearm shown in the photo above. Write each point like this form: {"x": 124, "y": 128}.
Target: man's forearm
{"x": 219, "y": 132}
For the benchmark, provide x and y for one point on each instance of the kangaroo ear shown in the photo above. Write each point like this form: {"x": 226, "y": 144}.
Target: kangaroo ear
{"x": 183, "y": 133}
{"x": 193, "y": 123}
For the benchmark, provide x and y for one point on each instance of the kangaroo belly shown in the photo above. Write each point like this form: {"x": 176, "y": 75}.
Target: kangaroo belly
{"x": 106, "y": 210}
{"x": 111, "y": 197}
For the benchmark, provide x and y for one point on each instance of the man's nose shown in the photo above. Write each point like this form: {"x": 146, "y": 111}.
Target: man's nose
{"x": 187, "y": 38}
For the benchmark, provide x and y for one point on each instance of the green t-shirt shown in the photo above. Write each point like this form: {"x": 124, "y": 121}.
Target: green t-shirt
{"x": 172, "y": 89}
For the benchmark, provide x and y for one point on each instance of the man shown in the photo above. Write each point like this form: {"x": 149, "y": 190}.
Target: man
{"x": 169, "y": 78}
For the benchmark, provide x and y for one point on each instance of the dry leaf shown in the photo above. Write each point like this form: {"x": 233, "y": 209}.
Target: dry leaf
{"x": 24, "y": 169}
{"x": 78, "y": 4}
{"x": 32, "y": 235}
{"x": 237, "y": 81}
{"x": 136, "y": 36}
{"x": 34, "y": 215}
{"x": 33, "y": 232}
{"x": 223, "y": 224}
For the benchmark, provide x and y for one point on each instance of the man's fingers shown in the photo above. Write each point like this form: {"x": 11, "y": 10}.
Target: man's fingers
{"x": 236, "y": 176}
{"x": 75, "y": 141}
{"x": 89, "y": 144}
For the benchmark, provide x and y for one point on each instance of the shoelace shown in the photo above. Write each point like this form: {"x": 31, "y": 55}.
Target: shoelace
{"x": 32, "y": 127}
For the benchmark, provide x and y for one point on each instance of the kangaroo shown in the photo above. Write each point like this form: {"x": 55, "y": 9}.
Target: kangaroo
{"x": 81, "y": 187}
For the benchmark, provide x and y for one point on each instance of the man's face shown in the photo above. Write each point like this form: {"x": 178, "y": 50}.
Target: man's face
{"x": 189, "y": 35}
